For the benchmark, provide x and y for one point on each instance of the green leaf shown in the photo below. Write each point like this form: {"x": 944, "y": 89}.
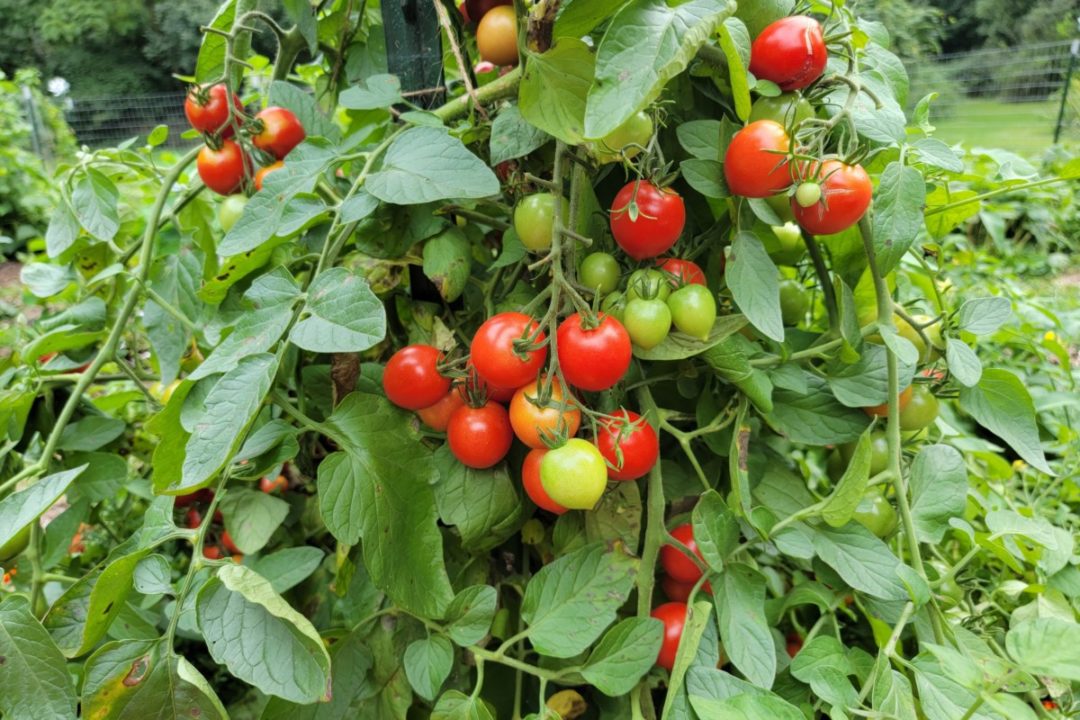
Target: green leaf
{"x": 733, "y": 35}
{"x": 448, "y": 262}
{"x": 427, "y": 664}
{"x": 983, "y": 316}
{"x": 375, "y": 92}
{"x": 716, "y": 529}
{"x": 175, "y": 278}
{"x": 935, "y": 153}
{"x": 698, "y": 641}
{"x": 378, "y": 486}
{"x": 62, "y": 232}
{"x": 570, "y": 601}
{"x": 1002, "y": 405}
{"x": 426, "y": 164}
{"x": 866, "y": 382}
{"x": 751, "y": 276}
{"x": 91, "y": 433}
{"x": 848, "y": 493}
{"x": 153, "y": 575}
{"x": 33, "y": 675}
{"x": 941, "y": 697}
{"x": 45, "y": 280}
{"x": 761, "y": 13}
{"x": 456, "y": 705}
{"x": 1046, "y": 646}
{"x": 289, "y": 567}
{"x": 62, "y": 339}
{"x": 705, "y": 176}
{"x": 229, "y": 408}
{"x": 358, "y": 207}
{"x": 94, "y": 201}
{"x": 554, "y": 88}
{"x": 626, "y": 652}
{"x": 898, "y": 213}
{"x": 963, "y": 362}
{"x": 342, "y": 315}
{"x": 210, "y": 65}
{"x": 892, "y": 693}
{"x": 700, "y": 138}
{"x": 482, "y": 504}
{"x": 616, "y": 517}
{"x": 740, "y": 603}
{"x": 22, "y": 507}
{"x": 512, "y": 136}
{"x": 939, "y": 486}
{"x": 256, "y": 635}
{"x": 143, "y": 679}
{"x": 747, "y": 707}
{"x": 580, "y": 17}
{"x": 251, "y": 517}
{"x": 862, "y": 560}
{"x": 302, "y": 104}
{"x": 646, "y": 44}
{"x": 469, "y": 616}
{"x": 678, "y": 346}
{"x": 351, "y": 681}
{"x": 824, "y": 666}
{"x": 815, "y": 417}
{"x": 941, "y": 222}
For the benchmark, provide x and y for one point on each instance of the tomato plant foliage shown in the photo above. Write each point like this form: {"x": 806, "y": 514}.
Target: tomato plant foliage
{"x": 216, "y": 499}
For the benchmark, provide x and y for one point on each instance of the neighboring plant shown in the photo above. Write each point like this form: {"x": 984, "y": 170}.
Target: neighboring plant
{"x": 257, "y": 459}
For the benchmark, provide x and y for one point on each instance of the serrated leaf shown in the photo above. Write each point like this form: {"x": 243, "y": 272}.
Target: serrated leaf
{"x": 815, "y": 417}
{"x": 426, "y": 164}
{"x": 939, "y": 486}
{"x": 33, "y": 675}
{"x": 626, "y": 652}
{"x": 751, "y": 276}
{"x": 1046, "y": 646}
{"x": 861, "y": 559}
{"x": 482, "y": 504}
{"x": 512, "y": 136}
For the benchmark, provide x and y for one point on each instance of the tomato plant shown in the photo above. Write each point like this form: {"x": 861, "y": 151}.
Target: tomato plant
{"x": 574, "y": 475}
{"x": 437, "y": 415}
{"x": 835, "y": 202}
{"x": 496, "y": 36}
{"x": 534, "y": 219}
{"x": 496, "y": 353}
{"x": 673, "y": 616}
{"x": 230, "y": 210}
{"x": 648, "y": 321}
{"x": 261, "y": 173}
{"x": 682, "y": 272}
{"x": 599, "y": 272}
{"x": 534, "y": 487}
{"x": 675, "y": 562}
{"x": 693, "y": 310}
{"x": 628, "y": 444}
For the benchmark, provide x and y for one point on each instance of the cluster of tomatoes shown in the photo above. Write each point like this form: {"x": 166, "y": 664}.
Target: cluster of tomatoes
{"x": 223, "y": 163}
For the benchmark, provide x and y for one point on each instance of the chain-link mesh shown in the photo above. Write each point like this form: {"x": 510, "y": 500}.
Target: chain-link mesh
{"x": 98, "y": 122}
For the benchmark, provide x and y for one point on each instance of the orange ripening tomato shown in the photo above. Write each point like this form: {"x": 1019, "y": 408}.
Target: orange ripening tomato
{"x": 533, "y": 423}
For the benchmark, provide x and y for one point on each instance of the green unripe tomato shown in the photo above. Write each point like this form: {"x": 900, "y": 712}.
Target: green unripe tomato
{"x": 876, "y": 514}
{"x": 534, "y": 219}
{"x": 574, "y": 475}
{"x": 807, "y": 194}
{"x": 834, "y": 465}
{"x": 599, "y": 272}
{"x": 787, "y": 109}
{"x": 784, "y": 243}
{"x": 646, "y": 284}
{"x": 614, "y": 305}
{"x": 693, "y": 310}
{"x": 905, "y": 329}
{"x": 230, "y": 210}
{"x": 629, "y": 138}
{"x": 921, "y": 410}
{"x": 933, "y": 334}
{"x": 647, "y": 321}
{"x": 794, "y": 302}
{"x": 15, "y": 545}
{"x": 879, "y": 452}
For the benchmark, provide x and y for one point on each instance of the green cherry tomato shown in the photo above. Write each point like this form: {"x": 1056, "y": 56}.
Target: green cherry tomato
{"x": 17, "y": 544}
{"x": 933, "y": 334}
{"x": 693, "y": 310}
{"x": 807, "y": 194}
{"x": 879, "y": 453}
{"x": 628, "y": 138}
{"x": 615, "y": 305}
{"x": 921, "y": 410}
{"x": 788, "y": 109}
{"x": 599, "y": 272}
{"x": 648, "y": 283}
{"x": 647, "y": 321}
{"x": 784, "y": 243}
{"x": 230, "y": 210}
{"x": 534, "y": 218}
{"x": 876, "y": 514}
{"x": 574, "y": 475}
{"x": 794, "y": 301}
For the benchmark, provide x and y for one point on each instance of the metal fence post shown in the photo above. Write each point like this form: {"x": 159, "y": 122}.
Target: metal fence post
{"x": 414, "y": 48}
{"x": 1074, "y": 50}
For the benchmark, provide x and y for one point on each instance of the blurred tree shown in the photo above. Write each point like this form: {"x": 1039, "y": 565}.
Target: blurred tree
{"x": 975, "y": 24}
{"x": 916, "y": 29}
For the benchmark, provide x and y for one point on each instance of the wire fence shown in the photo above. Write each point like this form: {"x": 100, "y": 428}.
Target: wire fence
{"x": 99, "y": 122}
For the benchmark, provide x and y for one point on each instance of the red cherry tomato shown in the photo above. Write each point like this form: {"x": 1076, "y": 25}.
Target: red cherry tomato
{"x": 673, "y": 615}
{"x": 480, "y": 437}
{"x": 261, "y": 173}
{"x": 794, "y": 644}
{"x": 228, "y": 544}
{"x": 273, "y": 485}
{"x": 595, "y": 358}
{"x": 530, "y": 480}
{"x": 207, "y": 109}
{"x": 223, "y": 170}
{"x": 755, "y": 163}
{"x": 437, "y": 416}
{"x": 493, "y": 353}
{"x": 631, "y": 448}
{"x": 645, "y": 220}
{"x": 674, "y": 561}
{"x": 498, "y": 394}
{"x": 412, "y": 380}
{"x": 683, "y": 272}
{"x": 846, "y": 191}
{"x": 680, "y": 591}
{"x": 281, "y": 132}
{"x": 212, "y": 552}
{"x": 790, "y": 52}
{"x": 192, "y": 518}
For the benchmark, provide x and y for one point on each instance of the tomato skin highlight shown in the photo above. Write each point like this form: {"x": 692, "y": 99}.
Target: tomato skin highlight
{"x": 437, "y": 416}
{"x": 223, "y": 170}
{"x": 674, "y": 561}
{"x": 593, "y": 359}
{"x": 411, "y": 379}
{"x": 682, "y": 272}
{"x": 636, "y": 441}
{"x": 496, "y": 36}
{"x": 755, "y": 162}
{"x": 660, "y": 219}
{"x": 532, "y": 423}
{"x": 281, "y": 132}
{"x": 480, "y": 437}
{"x": 261, "y": 173}
{"x": 790, "y": 52}
{"x": 213, "y": 115}
{"x": 673, "y": 615}
{"x": 492, "y": 350}
{"x": 574, "y": 475}
{"x": 534, "y": 488}
{"x": 846, "y": 192}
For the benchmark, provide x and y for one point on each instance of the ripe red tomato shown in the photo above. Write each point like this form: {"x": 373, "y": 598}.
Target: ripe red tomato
{"x": 882, "y": 410}
{"x": 475, "y": 10}
{"x": 494, "y": 392}
{"x": 794, "y": 644}
{"x": 480, "y": 437}
{"x": 262, "y": 172}
{"x": 437, "y": 416}
{"x": 228, "y": 544}
{"x": 497, "y": 35}
{"x": 271, "y": 485}
{"x": 193, "y": 518}
{"x": 412, "y": 380}
{"x": 680, "y": 591}
{"x": 212, "y": 552}
{"x": 846, "y": 191}
{"x": 493, "y": 354}
{"x": 280, "y": 133}
{"x": 674, "y": 561}
{"x": 683, "y": 272}
{"x": 223, "y": 170}
{"x": 790, "y": 52}
{"x": 630, "y": 447}
{"x": 530, "y": 480}
{"x": 207, "y": 109}
{"x": 755, "y": 163}
{"x": 595, "y": 358}
{"x": 646, "y": 220}
{"x": 532, "y": 423}
{"x": 673, "y": 615}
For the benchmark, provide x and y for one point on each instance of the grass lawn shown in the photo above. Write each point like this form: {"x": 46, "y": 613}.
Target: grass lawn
{"x": 1025, "y": 128}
